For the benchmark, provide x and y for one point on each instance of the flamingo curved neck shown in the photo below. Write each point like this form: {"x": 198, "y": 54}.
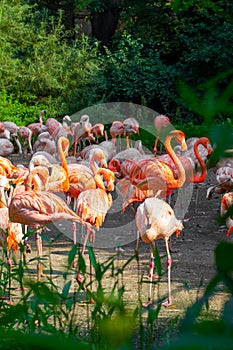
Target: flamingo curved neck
{"x": 199, "y": 178}
{"x": 63, "y": 141}
{"x": 180, "y": 169}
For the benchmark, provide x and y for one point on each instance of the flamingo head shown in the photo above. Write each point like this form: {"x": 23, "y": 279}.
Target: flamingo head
{"x": 180, "y": 138}
{"x": 108, "y": 178}
{"x": 161, "y": 122}
{"x": 206, "y": 143}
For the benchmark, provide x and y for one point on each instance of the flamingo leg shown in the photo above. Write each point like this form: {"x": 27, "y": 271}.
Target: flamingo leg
{"x": 78, "y": 277}
{"x": 137, "y": 242}
{"x": 196, "y": 201}
{"x": 9, "y": 286}
{"x": 169, "y": 264}
{"x": 150, "y": 274}
{"x": 39, "y": 254}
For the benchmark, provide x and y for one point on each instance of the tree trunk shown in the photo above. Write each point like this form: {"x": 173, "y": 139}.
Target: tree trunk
{"x": 104, "y": 24}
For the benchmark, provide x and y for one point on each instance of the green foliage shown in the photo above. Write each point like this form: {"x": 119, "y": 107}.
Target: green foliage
{"x": 21, "y": 114}
{"x": 159, "y": 46}
{"x": 38, "y": 66}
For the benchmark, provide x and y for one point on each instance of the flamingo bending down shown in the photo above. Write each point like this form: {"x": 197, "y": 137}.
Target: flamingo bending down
{"x": 58, "y": 180}
{"x": 98, "y": 131}
{"x": 37, "y": 208}
{"x": 226, "y": 204}
{"x": 224, "y": 178}
{"x": 156, "y": 219}
{"x": 45, "y": 142}
{"x": 13, "y": 130}
{"x": 6, "y": 167}
{"x": 6, "y": 147}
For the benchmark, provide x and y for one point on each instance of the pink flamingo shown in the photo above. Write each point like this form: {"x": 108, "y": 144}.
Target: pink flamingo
{"x": 161, "y": 123}
{"x": 156, "y": 219}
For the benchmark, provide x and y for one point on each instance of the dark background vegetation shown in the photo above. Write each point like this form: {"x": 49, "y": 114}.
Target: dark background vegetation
{"x": 68, "y": 55}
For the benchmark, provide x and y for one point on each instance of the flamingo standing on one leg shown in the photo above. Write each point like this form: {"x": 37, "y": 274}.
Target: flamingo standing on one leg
{"x": 156, "y": 219}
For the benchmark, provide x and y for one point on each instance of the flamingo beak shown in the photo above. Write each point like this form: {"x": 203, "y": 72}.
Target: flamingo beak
{"x": 229, "y": 231}
{"x": 183, "y": 146}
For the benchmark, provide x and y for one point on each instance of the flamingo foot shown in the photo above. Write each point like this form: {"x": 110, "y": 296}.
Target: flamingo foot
{"x": 22, "y": 288}
{"x": 168, "y": 302}
{"x": 40, "y": 272}
{"x": 80, "y": 281}
{"x": 149, "y": 303}
{"x": 91, "y": 301}
{"x": 9, "y": 262}
{"x": 75, "y": 265}
{"x": 154, "y": 277}
{"x": 28, "y": 248}
{"x": 188, "y": 219}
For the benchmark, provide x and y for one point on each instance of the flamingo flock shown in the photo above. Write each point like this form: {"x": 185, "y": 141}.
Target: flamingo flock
{"x": 85, "y": 164}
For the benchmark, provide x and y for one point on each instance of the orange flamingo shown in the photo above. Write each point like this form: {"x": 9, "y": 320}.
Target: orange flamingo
{"x": 92, "y": 206}
{"x": 155, "y": 175}
{"x": 191, "y": 168}
{"x": 146, "y": 177}
{"x": 82, "y": 177}
{"x": 58, "y": 180}
{"x": 13, "y": 237}
{"x": 11, "y": 234}
{"x": 226, "y": 204}
{"x": 156, "y": 219}
{"x": 6, "y": 167}
{"x": 36, "y": 208}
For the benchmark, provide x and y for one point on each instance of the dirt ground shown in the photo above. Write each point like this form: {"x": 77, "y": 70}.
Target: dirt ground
{"x": 192, "y": 253}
